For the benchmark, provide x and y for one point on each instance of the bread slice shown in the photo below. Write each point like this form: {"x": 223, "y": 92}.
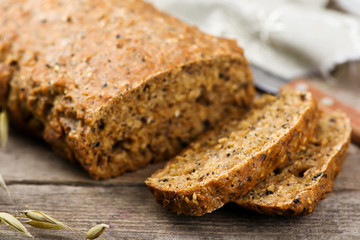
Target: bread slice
{"x": 117, "y": 84}
{"x": 230, "y": 160}
{"x": 297, "y": 187}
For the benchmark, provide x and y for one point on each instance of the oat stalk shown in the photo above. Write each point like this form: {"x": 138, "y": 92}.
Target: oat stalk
{"x": 44, "y": 225}
{"x": 13, "y": 223}
{"x": 3, "y": 185}
{"x": 40, "y": 217}
{"x": 96, "y": 231}
{"x": 4, "y": 129}
{"x": 41, "y": 220}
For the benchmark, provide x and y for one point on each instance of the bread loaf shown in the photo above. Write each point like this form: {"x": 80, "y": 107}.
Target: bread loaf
{"x": 230, "y": 160}
{"x": 115, "y": 84}
{"x": 297, "y": 187}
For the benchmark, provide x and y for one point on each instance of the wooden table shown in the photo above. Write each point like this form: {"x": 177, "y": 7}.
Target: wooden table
{"x": 38, "y": 179}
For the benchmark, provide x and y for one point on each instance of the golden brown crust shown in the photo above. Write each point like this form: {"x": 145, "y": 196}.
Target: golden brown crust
{"x": 198, "y": 199}
{"x": 75, "y": 60}
{"x": 298, "y": 186}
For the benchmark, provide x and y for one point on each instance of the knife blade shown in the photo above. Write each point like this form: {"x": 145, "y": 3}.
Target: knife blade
{"x": 267, "y": 82}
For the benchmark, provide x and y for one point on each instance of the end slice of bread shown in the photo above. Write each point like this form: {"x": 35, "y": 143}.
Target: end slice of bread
{"x": 230, "y": 160}
{"x": 297, "y": 187}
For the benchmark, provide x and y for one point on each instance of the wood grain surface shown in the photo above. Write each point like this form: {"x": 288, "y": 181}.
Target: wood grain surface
{"x": 38, "y": 179}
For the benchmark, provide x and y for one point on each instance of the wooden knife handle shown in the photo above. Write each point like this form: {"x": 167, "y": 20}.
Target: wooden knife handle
{"x": 330, "y": 103}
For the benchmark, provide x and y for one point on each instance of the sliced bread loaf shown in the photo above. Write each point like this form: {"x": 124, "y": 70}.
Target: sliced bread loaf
{"x": 297, "y": 187}
{"x": 117, "y": 84}
{"x": 230, "y": 160}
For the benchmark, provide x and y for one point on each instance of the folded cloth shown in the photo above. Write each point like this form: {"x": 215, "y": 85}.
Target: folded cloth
{"x": 287, "y": 38}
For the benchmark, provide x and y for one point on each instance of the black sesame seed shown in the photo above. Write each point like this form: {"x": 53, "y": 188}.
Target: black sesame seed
{"x": 206, "y": 123}
{"x": 228, "y": 155}
{"x": 101, "y": 125}
{"x": 296, "y": 200}
{"x": 143, "y": 119}
{"x": 263, "y": 157}
{"x": 13, "y": 63}
{"x": 277, "y": 171}
{"x": 183, "y": 145}
{"x": 97, "y": 144}
{"x": 249, "y": 178}
{"x": 268, "y": 192}
{"x": 317, "y": 175}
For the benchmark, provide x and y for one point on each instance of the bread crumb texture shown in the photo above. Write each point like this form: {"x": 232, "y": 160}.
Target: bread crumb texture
{"x": 230, "y": 160}
{"x": 115, "y": 84}
{"x": 297, "y": 187}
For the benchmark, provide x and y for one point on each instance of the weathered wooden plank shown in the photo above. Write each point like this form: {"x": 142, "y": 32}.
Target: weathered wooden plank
{"x": 132, "y": 214}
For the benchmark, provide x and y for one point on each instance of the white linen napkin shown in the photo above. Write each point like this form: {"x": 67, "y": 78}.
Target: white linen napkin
{"x": 288, "y": 38}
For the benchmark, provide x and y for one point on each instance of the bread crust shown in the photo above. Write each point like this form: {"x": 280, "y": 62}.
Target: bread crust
{"x": 239, "y": 180}
{"x": 63, "y": 86}
{"x": 321, "y": 175}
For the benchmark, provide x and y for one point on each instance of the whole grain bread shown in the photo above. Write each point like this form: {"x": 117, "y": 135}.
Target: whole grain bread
{"x": 230, "y": 160}
{"x": 297, "y": 187}
{"x": 115, "y": 84}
